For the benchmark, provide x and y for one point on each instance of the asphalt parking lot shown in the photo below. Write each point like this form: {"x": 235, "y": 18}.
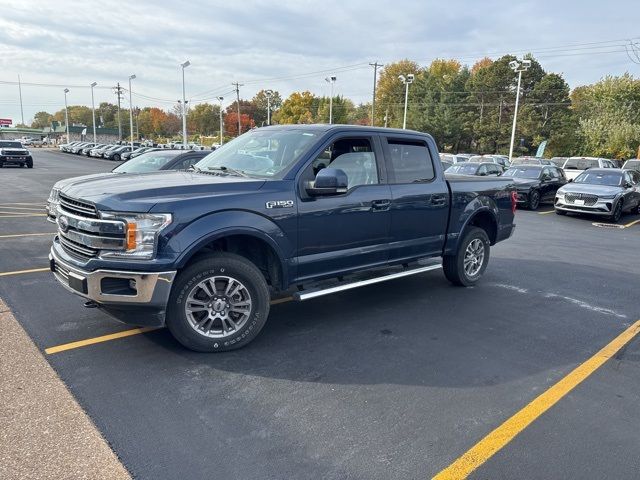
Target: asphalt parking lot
{"x": 392, "y": 381}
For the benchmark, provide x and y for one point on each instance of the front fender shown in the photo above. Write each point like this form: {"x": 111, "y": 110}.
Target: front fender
{"x": 208, "y": 228}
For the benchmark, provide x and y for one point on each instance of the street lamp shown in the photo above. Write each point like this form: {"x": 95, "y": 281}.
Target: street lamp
{"x": 131, "y": 77}
{"x": 66, "y": 112}
{"x": 93, "y": 113}
{"x": 407, "y": 80}
{"x": 220, "y": 99}
{"x": 331, "y": 80}
{"x": 184, "y": 106}
{"x": 517, "y": 66}
{"x": 268, "y": 93}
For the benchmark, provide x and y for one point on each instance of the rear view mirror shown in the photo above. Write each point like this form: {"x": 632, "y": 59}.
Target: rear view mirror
{"x": 329, "y": 181}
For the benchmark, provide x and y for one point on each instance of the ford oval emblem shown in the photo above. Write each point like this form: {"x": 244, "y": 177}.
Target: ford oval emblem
{"x": 63, "y": 223}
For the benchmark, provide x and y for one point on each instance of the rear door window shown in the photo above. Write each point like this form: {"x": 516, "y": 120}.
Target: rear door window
{"x": 411, "y": 161}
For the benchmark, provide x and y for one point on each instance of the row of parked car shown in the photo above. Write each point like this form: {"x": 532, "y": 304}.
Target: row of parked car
{"x": 120, "y": 151}
{"x": 574, "y": 185}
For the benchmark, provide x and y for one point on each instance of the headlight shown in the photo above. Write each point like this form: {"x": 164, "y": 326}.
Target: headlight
{"x": 142, "y": 234}
{"x": 607, "y": 197}
{"x": 54, "y": 196}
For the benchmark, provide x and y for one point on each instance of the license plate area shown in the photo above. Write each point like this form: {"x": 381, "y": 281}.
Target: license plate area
{"x": 579, "y": 202}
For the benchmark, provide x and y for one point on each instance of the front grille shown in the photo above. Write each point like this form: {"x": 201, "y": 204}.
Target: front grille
{"x": 78, "y": 207}
{"x": 589, "y": 200}
{"x": 75, "y": 248}
{"x": 62, "y": 271}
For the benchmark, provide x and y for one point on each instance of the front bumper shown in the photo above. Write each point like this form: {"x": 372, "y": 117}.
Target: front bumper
{"x": 138, "y": 298}
{"x": 17, "y": 159}
{"x": 603, "y": 206}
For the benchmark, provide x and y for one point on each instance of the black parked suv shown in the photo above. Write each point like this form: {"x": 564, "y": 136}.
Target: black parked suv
{"x": 12, "y": 152}
{"x": 536, "y": 184}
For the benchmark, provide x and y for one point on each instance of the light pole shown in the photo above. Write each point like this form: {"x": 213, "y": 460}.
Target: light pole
{"x": 407, "y": 80}
{"x": 331, "y": 80}
{"x": 66, "y": 112}
{"x": 131, "y": 77}
{"x": 517, "y": 66}
{"x": 184, "y": 107}
{"x": 93, "y": 112}
{"x": 268, "y": 93}
{"x": 220, "y": 99}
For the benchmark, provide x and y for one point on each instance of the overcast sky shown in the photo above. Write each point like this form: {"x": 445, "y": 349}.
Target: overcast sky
{"x": 286, "y": 45}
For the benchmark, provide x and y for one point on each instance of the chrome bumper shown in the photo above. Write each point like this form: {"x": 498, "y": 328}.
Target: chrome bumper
{"x": 114, "y": 287}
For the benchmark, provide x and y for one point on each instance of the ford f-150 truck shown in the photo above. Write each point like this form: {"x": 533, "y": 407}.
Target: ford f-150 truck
{"x": 312, "y": 209}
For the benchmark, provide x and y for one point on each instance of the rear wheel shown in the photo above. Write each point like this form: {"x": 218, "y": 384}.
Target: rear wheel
{"x": 116, "y": 157}
{"x": 470, "y": 261}
{"x": 219, "y": 303}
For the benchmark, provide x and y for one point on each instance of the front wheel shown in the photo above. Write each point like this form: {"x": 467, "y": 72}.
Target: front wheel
{"x": 29, "y": 163}
{"x": 560, "y": 212}
{"x": 534, "y": 200}
{"x": 470, "y": 261}
{"x": 219, "y": 303}
{"x": 617, "y": 212}
{"x": 116, "y": 157}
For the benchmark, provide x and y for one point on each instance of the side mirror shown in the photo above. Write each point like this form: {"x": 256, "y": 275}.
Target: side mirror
{"x": 329, "y": 181}
{"x": 570, "y": 180}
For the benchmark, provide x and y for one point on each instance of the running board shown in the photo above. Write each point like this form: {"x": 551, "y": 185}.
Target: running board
{"x": 309, "y": 294}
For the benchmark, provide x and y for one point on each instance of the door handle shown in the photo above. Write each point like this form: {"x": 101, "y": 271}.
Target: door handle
{"x": 438, "y": 200}
{"x": 380, "y": 205}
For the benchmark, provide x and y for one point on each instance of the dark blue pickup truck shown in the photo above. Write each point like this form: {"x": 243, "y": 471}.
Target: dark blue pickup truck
{"x": 312, "y": 209}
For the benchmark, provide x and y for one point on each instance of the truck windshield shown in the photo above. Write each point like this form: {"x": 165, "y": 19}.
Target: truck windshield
{"x": 10, "y": 145}
{"x": 262, "y": 153}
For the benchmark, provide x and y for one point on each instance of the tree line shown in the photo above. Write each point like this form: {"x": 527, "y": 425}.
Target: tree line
{"x": 466, "y": 109}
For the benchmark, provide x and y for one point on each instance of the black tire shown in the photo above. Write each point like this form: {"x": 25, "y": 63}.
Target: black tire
{"x": 453, "y": 265}
{"x": 116, "y": 157}
{"x": 617, "y": 212}
{"x": 29, "y": 163}
{"x": 534, "y": 200}
{"x": 560, "y": 212}
{"x": 220, "y": 265}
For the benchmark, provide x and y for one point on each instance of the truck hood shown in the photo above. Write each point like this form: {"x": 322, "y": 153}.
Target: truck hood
{"x": 140, "y": 192}
{"x": 601, "y": 190}
{"x": 84, "y": 178}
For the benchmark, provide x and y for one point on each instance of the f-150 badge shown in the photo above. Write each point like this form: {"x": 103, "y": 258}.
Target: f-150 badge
{"x": 280, "y": 204}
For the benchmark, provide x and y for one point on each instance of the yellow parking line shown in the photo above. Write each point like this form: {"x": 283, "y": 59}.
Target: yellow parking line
{"x": 20, "y": 272}
{"x": 20, "y": 215}
{"x": 21, "y": 203}
{"x": 14, "y": 235}
{"x": 501, "y": 436}
{"x": 94, "y": 340}
{"x": 123, "y": 334}
{"x": 546, "y": 213}
{"x": 631, "y": 224}
{"x": 5, "y": 207}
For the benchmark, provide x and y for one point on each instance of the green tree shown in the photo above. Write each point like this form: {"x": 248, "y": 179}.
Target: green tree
{"x": 204, "y": 119}
{"x": 297, "y": 108}
{"x": 260, "y": 104}
{"x": 41, "y": 120}
{"x": 343, "y": 109}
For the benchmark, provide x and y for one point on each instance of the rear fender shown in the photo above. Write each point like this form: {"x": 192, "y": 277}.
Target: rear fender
{"x": 475, "y": 207}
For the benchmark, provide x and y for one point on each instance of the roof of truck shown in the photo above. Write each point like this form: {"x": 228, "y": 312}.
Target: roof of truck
{"x": 325, "y": 127}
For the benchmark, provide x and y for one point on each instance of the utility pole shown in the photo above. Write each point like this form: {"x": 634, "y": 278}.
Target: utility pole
{"x": 268, "y": 94}
{"x": 66, "y": 113}
{"x": 518, "y": 66}
{"x": 20, "y": 92}
{"x": 331, "y": 80}
{"x": 93, "y": 112}
{"x": 407, "y": 80}
{"x": 238, "y": 85}
{"x": 220, "y": 99}
{"x": 184, "y": 107}
{"x": 373, "y": 99}
{"x": 118, "y": 92}
{"x": 132, "y": 77}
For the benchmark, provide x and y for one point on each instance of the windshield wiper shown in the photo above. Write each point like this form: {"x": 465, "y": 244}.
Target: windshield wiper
{"x": 229, "y": 170}
{"x": 194, "y": 168}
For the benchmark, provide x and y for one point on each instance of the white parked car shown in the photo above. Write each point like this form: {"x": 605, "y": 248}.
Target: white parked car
{"x": 574, "y": 166}
{"x": 453, "y": 158}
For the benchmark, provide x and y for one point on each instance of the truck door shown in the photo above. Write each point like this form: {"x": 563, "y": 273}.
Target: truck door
{"x": 345, "y": 231}
{"x": 419, "y": 199}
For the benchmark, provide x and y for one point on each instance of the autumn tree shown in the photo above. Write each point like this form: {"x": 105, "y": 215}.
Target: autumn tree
{"x": 297, "y": 108}
{"x": 390, "y": 92}
{"x": 231, "y": 123}
{"x": 204, "y": 119}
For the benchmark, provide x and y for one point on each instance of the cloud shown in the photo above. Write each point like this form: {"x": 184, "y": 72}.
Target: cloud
{"x": 75, "y": 43}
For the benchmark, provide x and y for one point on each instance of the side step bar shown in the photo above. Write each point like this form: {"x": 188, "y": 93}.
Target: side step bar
{"x": 309, "y": 294}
